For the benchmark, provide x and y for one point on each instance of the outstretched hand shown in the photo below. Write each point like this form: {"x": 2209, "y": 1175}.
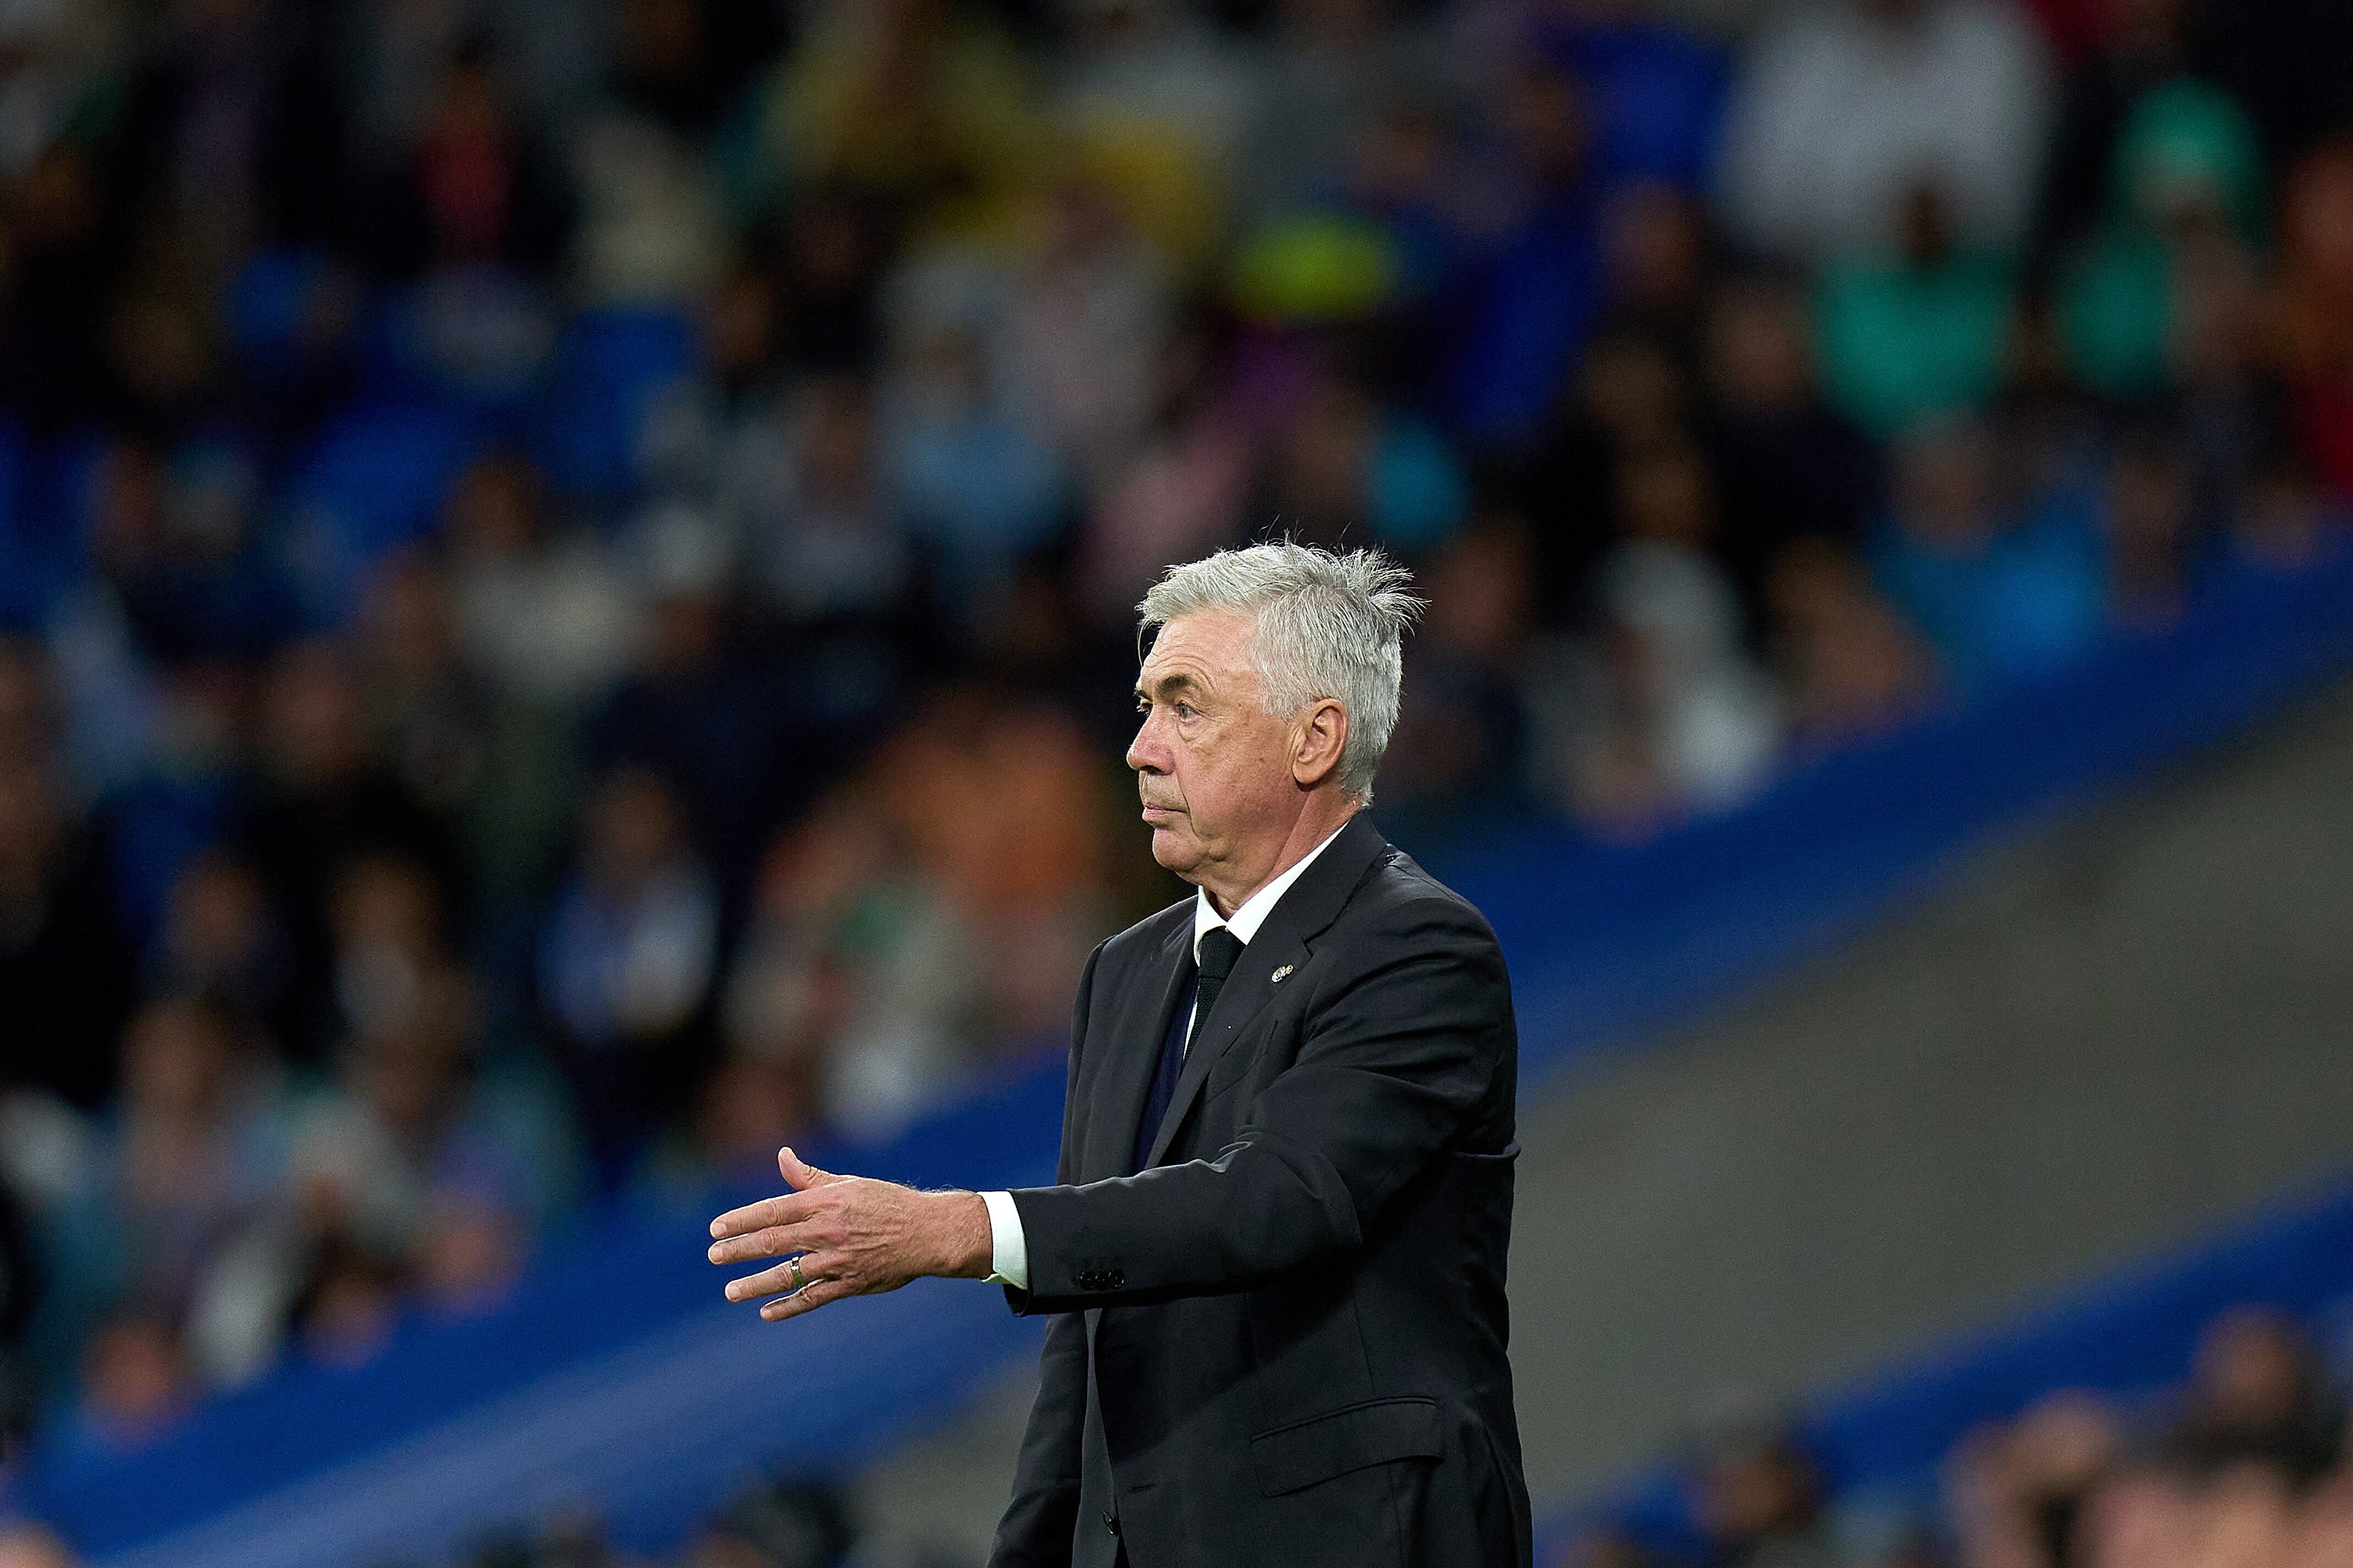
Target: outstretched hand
{"x": 850, "y": 1235}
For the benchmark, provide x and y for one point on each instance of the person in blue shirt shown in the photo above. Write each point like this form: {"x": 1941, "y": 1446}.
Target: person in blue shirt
{"x": 1997, "y": 596}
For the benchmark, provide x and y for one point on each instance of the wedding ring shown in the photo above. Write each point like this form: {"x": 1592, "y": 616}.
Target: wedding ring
{"x": 800, "y": 1284}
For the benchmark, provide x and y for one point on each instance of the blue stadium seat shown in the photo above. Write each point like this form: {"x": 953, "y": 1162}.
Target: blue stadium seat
{"x": 373, "y": 482}
{"x": 610, "y": 367}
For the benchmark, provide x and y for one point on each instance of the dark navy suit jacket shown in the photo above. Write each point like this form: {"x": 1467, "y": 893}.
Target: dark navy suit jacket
{"x": 1284, "y": 1342}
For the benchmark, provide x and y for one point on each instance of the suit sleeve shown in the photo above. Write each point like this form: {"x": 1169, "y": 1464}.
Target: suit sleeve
{"x": 1037, "y": 1526}
{"x": 1400, "y": 1055}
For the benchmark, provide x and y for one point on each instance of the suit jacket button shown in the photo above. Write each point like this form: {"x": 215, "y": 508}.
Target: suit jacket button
{"x": 1111, "y": 1521}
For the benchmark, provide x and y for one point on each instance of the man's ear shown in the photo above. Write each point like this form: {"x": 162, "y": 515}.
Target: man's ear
{"x": 1315, "y": 749}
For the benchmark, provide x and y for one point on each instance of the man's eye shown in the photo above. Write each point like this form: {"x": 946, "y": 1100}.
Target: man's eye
{"x": 1184, "y": 709}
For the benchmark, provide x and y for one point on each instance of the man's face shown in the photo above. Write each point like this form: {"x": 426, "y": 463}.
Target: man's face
{"x": 1212, "y": 765}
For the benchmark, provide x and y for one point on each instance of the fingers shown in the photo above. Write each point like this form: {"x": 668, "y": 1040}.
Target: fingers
{"x": 776, "y": 1281}
{"x": 786, "y": 1209}
{"x": 818, "y": 1293}
{"x": 775, "y": 1241}
{"x": 828, "y": 1268}
{"x": 799, "y": 1174}
{"x": 783, "y": 1209}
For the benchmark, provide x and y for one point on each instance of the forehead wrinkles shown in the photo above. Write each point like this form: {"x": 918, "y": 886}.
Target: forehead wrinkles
{"x": 1210, "y": 650}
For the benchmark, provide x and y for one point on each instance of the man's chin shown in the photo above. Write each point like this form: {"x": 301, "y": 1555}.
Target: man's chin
{"x": 1173, "y": 850}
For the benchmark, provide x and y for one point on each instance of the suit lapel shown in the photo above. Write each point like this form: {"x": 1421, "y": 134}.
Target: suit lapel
{"x": 1308, "y": 906}
{"x": 1136, "y": 1054}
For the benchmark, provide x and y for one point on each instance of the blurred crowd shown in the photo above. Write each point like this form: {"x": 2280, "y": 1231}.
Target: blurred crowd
{"x": 2248, "y": 1465}
{"x": 567, "y": 567}
{"x": 778, "y": 1523}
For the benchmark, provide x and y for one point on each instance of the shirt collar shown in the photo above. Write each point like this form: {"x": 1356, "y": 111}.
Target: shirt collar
{"x": 1256, "y": 908}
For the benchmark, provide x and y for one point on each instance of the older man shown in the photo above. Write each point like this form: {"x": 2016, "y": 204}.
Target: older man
{"x": 1275, "y": 1256}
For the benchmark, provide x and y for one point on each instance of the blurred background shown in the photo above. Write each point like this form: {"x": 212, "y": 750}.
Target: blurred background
{"x": 566, "y": 583}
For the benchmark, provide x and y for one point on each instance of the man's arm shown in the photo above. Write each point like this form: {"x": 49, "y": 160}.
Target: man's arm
{"x": 1401, "y": 1049}
{"x": 1394, "y": 1063}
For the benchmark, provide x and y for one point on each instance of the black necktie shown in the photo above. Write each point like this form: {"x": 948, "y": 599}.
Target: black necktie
{"x": 1220, "y": 952}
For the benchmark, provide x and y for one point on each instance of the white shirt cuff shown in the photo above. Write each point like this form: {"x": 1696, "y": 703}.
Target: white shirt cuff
{"x": 1008, "y": 1248}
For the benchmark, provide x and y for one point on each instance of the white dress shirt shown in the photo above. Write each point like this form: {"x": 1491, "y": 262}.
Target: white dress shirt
{"x": 1008, "y": 1248}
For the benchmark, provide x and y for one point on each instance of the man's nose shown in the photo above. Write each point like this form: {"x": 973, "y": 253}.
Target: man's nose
{"x": 1144, "y": 754}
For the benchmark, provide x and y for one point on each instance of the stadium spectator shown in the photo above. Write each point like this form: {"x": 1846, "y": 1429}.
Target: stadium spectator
{"x": 1183, "y": 490}
{"x": 1532, "y": 297}
{"x": 472, "y": 1254}
{"x": 831, "y": 256}
{"x": 1331, "y": 70}
{"x": 478, "y": 188}
{"x": 980, "y": 490}
{"x": 2257, "y": 1397}
{"x": 1658, "y": 259}
{"x": 2315, "y": 312}
{"x": 2282, "y": 525}
{"x": 701, "y": 707}
{"x": 546, "y": 619}
{"x": 1346, "y": 465}
{"x": 1655, "y": 93}
{"x": 419, "y": 1119}
{"x": 219, "y": 938}
{"x": 916, "y": 104}
{"x": 2149, "y": 529}
{"x": 1850, "y": 664}
{"x": 1757, "y": 1498}
{"x": 1087, "y": 314}
{"x": 172, "y": 532}
{"x": 2187, "y": 188}
{"x": 627, "y": 963}
{"x": 1155, "y": 99}
{"x": 2027, "y": 1492}
{"x": 1918, "y": 334}
{"x": 1788, "y": 465}
{"x": 1460, "y": 754}
{"x": 2133, "y": 47}
{"x": 327, "y": 798}
{"x": 827, "y": 536}
{"x": 783, "y": 1524}
{"x": 135, "y": 1384}
{"x": 1672, "y": 714}
{"x": 1995, "y": 595}
{"x": 1628, "y": 395}
{"x": 194, "y": 1159}
{"x": 347, "y": 1305}
{"x": 1844, "y": 110}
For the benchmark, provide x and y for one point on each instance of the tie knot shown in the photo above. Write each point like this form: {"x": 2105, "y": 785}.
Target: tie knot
{"x": 1221, "y": 951}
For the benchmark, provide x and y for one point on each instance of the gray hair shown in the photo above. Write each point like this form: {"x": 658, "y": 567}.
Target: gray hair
{"x": 1324, "y": 626}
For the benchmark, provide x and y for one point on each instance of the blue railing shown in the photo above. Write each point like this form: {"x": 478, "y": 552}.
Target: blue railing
{"x": 617, "y": 1378}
